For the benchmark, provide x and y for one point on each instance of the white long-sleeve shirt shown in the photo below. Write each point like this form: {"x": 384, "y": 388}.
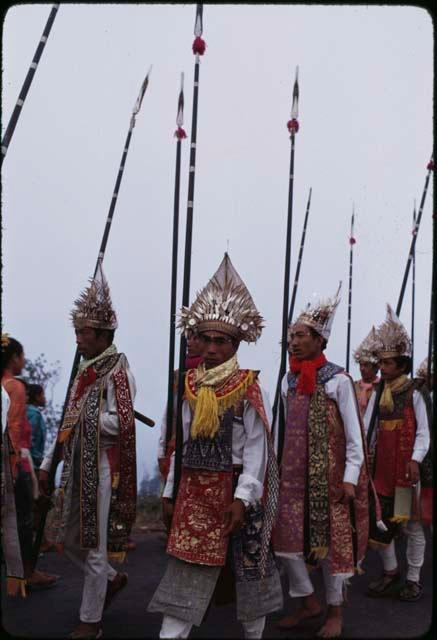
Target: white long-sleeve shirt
{"x": 249, "y": 449}
{"x": 421, "y": 441}
{"x": 340, "y": 389}
{"x": 109, "y": 422}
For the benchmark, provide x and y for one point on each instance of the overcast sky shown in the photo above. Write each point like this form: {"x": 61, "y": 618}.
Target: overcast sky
{"x": 365, "y": 139}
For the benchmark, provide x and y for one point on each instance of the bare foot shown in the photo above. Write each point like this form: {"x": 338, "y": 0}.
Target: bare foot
{"x": 311, "y": 608}
{"x": 333, "y": 624}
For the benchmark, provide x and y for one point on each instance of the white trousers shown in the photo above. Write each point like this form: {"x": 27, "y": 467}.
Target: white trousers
{"x": 300, "y": 584}
{"x": 415, "y": 551}
{"x": 94, "y": 563}
{"x": 176, "y": 628}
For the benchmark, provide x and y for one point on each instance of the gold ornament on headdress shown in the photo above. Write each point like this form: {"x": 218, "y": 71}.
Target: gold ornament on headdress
{"x": 319, "y": 316}
{"x": 94, "y": 306}
{"x": 393, "y": 339}
{"x": 422, "y": 370}
{"x": 366, "y": 351}
{"x": 5, "y": 340}
{"x": 225, "y": 305}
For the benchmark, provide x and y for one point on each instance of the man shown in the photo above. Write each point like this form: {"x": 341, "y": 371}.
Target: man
{"x": 323, "y": 506}
{"x": 400, "y": 439}
{"x": 220, "y": 528}
{"x": 95, "y": 508}
{"x": 165, "y": 449}
{"x": 36, "y": 401}
{"x": 367, "y": 360}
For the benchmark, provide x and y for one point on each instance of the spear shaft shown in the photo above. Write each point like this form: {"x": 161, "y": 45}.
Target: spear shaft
{"x": 413, "y": 295}
{"x": 349, "y": 306}
{"x": 101, "y": 254}
{"x": 278, "y": 408}
{"x": 299, "y": 260}
{"x": 413, "y": 241}
{"x": 27, "y": 82}
{"x": 180, "y": 134}
{"x": 198, "y": 50}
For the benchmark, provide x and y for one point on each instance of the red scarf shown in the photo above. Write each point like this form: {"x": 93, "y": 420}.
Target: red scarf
{"x": 307, "y": 370}
{"x": 192, "y": 362}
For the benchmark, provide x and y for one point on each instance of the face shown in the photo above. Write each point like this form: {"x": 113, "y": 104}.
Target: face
{"x": 194, "y": 345}
{"x": 217, "y": 348}
{"x": 16, "y": 363}
{"x": 368, "y": 371}
{"x": 390, "y": 370}
{"x": 89, "y": 343}
{"x": 302, "y": 344}
{"x": 41, "y": 399}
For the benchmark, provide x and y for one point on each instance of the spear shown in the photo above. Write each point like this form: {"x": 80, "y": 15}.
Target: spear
{"x": 299, "y": 260}
{"x": 413, "y": 293}
{"x": 352, "y": 241}
{"x": 430, "y": 168}
{"x": 101, "y": 255}
{"x": 278, "y": 409}
{"x": 27, "y": 82}
{"x": 198, "y": 50}
{"x": 431, "y": 338}
{"x": 180, "y": 135}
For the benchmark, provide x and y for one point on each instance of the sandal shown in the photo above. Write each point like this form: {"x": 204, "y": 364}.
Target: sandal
{"x": 387, "y": 585}
{"x": 411, "y": 592}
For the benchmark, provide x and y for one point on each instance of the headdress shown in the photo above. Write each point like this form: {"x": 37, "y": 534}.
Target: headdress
{"x": 422, "y": 370}
{"x": 319, "y": 316}
{"x": 393, "y": 339}
{"x": 225, "y": 305}
{"x": 366, "y": 351}
{"x": 94, "y": 306}
{"x": 5, "y": 340}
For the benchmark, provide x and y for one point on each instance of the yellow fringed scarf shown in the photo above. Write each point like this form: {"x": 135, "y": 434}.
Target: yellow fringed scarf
{"x": 208, "y": 407}
{"x": 394, "y": 386}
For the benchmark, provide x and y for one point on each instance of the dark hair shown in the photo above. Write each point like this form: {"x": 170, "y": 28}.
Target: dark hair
{"x": 33, "y": 391}
{"x": 109, "y": 333}
{"x": 11, "y": 349}
{"x": 316, "y": 334}
{"x": 403, "y": 362}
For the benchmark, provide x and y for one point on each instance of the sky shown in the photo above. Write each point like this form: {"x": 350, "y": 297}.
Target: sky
{"x": 366, "y": 131}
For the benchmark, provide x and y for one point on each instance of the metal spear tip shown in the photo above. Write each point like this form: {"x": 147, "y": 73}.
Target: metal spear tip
{"x": 295, "y": 103}
{"x": 198, "y": 25}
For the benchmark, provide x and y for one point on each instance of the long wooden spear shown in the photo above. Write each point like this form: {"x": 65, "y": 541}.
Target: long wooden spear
{"x": 180, "y": 135}
{"x": 430, "y": 168}
{"x": 101, "y": 255}
{"x": 278, "y": 409}
{"x": 198, "y": 50}
{"x": 299, "y": 260}
{"x": 27, "y": 82}
{"x": 352, "y": 241}
{"x": 413, "y": 293}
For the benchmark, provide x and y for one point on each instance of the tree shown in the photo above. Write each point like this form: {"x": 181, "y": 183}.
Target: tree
{"x": 39, "y": 371}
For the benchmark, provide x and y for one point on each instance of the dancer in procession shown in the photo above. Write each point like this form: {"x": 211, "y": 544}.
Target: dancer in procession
{"x": 399, "y": 439}
{"x": 367, "y": 360}
{"x": 228, "y": 469}
{"x": 323, "y": 504}
{"x": 96, "y": 504}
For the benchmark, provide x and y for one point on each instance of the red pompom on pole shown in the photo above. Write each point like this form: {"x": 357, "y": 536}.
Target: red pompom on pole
{"x": 293, "y": 126}
{"x": 180, "y": 133}
{"x": 430, "y": 166}
{"x": 199, "y": 46}
{"x": 352, "y": 240}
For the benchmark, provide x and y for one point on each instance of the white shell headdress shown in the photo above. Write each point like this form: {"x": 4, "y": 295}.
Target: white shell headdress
{"x": 319, "y": 316}
{"x": 225, "y": 305}
{"x": 422, "y": 370}
{"x": 94, "y": 306}
{"x": 367, "y": 350}
{"x": 393, "y": 339}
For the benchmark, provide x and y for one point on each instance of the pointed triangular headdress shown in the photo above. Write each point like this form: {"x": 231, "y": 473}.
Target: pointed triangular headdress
{"x": 393, "y": 339}
{"x": 94, "y": 306}
{"x": 321, "y": 315}
{"x": 367, "y": 350}
{"x": 225, "y": 305}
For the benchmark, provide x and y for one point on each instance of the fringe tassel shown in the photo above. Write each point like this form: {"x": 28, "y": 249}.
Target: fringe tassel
{"x": 319, "y": 553}
{"x": 117, "y": 556}
{"x": 115, "y": 480}
{"x": 64, "y": 435}
{"x": 15, "y": 587}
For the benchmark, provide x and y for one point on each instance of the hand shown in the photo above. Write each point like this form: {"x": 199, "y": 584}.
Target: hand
{"x": 348, "y": 492}
{"x": 412, "y": 472}
{"x": 163, "y": 464}
{"x": 233, "y": 517}
{"x": 167, "y": 512}
{"x": 43, "y": 481}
